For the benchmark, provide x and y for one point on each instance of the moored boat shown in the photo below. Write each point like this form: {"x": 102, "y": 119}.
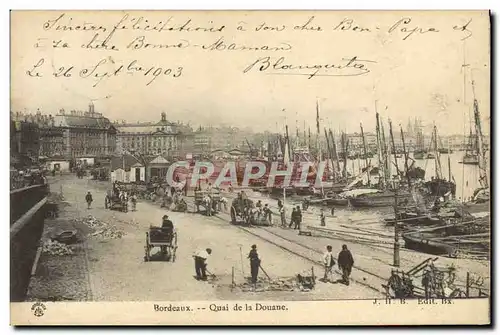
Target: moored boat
{"x": 418, "y": 155}
{"x": 470, "y": 159}
{"x": 376, "y": 198}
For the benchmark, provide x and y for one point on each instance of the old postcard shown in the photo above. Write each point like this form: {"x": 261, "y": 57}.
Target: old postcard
{"x": 250, "y": 168}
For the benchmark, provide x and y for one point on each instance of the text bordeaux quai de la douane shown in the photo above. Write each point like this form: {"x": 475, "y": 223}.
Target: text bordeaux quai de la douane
{"x": 107, "y": 67}
{"x": 238, "y": 307}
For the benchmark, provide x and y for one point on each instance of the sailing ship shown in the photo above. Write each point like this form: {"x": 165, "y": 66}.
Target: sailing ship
{"x": 482, "y": 194}
{"x": 383, "y": 191}
{"x": 471, "y": 156}
{"x": 419, "y": 152}
{"x": 459, "y": 230}
{"x": 439, "y": 186}
{"x": 445, "y": 150}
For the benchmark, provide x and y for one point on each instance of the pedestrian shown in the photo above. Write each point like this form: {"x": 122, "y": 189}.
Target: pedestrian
{"x": 88, "y": 199}
{"x": 298, "y": 218}
{"x": 293, "y": 218}
{"x": 167, "y": 225}
{"x": 305, "y": 204}
{"x": 333, "y": 211}
{"x": 133, "y": 199}
{"x": 254, "y": 263}
{"x": 223, "y": 201}
{"x": 346, "y": 261}
{"x": 200, "y": 263}
{"x": 282, "y": 215}
{"x": 322, "y": 218}
{"x": 268, "y": 213}
{"x": 328, "y": 262}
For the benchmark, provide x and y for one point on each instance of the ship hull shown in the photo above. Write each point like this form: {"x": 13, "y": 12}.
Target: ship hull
{"x": 425, "y": 244}
{"x": 470, "y": 160}
{"x": 336, "y": 202}
{"x": 418, "y": 155}
{"x": 377, "y": 200}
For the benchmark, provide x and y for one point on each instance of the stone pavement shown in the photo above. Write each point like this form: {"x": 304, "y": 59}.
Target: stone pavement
{"x": 117, "y": 270}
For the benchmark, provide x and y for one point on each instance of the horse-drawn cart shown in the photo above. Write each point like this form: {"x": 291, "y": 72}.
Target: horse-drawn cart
{"x": 210, "y": 200}
{"x": 164, "y": 239}
{"x": 114, "y": 202}
{"x": 243, "y": 211}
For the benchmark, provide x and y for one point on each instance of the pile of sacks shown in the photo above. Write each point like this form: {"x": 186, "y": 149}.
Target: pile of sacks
{"x": 55, "y": 248}
{"x": 102, "y": 229}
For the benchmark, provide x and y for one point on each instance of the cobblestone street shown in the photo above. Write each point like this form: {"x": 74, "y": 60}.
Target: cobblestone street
{"x": 117, "y": 271}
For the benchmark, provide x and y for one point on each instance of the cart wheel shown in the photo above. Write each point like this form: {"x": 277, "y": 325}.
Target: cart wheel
{"x": 173, "y": 255}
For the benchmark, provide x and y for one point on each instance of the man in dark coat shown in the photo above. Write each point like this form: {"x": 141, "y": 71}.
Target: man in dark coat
{"x": 88, "y": 199}
{"x": 167, "y": 225}
{"x": 254, "y": 263}
{"x": 293, "y": 218}
{"x": 345, "y": 261}
{"x": 298, "y": 218}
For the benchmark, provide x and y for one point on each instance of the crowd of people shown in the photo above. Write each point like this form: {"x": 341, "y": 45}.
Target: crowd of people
{"x": 26, "y": 177}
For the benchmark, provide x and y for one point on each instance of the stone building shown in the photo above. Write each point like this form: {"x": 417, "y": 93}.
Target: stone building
{"x": 209, "y": 139}
{"x": 72, "y": 135}
{"x": 24, "y": 141}
{"x": 86, "y": 134}
{"x": 150, "y": 139}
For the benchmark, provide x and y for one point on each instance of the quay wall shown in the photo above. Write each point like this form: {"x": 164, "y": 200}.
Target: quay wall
{"x": 28, "y": 212}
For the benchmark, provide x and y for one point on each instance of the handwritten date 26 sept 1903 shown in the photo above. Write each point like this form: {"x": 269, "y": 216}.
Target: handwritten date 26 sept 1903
{"x": 107, "y": 68}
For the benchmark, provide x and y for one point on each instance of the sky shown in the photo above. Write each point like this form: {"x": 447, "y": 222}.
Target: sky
{"x": 421, "y": 76}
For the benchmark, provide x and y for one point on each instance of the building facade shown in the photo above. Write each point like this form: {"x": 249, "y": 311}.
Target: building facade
{"x": 356, "y": 141}
{"x": 150, "y": 139}
{"x": 24, "y": 140}
{"x": 209, "y": 139}
{"x": 86, "y": 134}
{"x": 72, "y": 135}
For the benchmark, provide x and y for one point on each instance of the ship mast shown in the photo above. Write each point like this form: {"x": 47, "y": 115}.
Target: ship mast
{"x": 386, "y": 154}
{"x": 437, "y": 162}
{"x": 330, "y": 153}
{"x": 365, "y": 153}
{"x": 393, "y": 147}
{"x": 318, "y": 143}
{"x": 381, "y": 167}
{"x": 335, "y": 152}
{"x": 344, "y": 149}
{"x": 479, "y": 134}
{"x": 297, "y": 136}
{"x": 406, "y": 158}
{"x": 464, "y": 66}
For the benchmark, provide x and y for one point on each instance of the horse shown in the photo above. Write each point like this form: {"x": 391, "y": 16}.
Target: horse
{"x": 224, "y": 202}
{"x": 207, "y": 203}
